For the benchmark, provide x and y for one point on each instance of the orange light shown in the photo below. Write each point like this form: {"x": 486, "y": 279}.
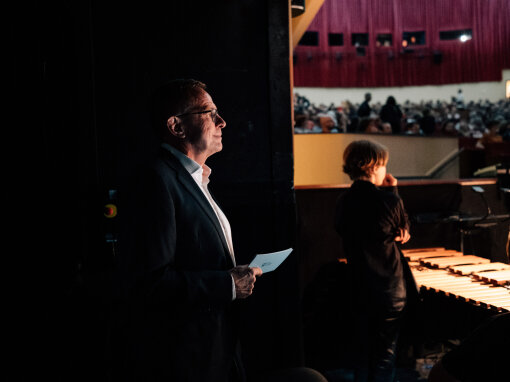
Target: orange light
{"x": 110, "y": 211}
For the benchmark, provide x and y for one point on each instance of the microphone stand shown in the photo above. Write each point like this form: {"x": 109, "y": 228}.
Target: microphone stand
{"x": 480, "y": 191}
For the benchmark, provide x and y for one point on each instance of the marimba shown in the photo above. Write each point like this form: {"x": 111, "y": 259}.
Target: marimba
{"x": 469, "y": 278}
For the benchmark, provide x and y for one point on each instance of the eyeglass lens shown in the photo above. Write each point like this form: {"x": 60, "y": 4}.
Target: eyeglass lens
{"x": 214, "y": 115}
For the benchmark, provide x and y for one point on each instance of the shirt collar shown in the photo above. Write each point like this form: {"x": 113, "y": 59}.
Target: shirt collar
{"x": 193, "y": 168}
{"x": 363, "y": 183}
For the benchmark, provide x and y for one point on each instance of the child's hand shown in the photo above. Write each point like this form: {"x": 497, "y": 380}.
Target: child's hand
{"x": 404, "y": 236}
{"x": 389, "y": 180}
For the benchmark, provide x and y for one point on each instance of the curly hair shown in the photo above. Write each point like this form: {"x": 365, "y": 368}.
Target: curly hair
{"x": 360, "y": 158}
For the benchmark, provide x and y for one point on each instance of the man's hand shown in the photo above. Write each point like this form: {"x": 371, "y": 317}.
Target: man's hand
{"x": 244, "y": 279}
{"x": 404, "y": 236}
{"x": 389, "y": 180}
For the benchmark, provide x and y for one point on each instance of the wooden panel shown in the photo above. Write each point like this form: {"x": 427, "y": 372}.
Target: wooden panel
{"x": 318, "y": 157}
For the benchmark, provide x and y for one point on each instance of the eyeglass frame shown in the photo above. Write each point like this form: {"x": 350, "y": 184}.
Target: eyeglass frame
{"x": 213, "y": 117}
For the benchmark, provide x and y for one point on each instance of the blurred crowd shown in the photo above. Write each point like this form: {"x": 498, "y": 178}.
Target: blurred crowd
{"x": 484, "y": 120}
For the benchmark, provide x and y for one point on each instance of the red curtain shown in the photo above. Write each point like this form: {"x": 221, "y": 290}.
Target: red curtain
{"x": 436, "y": 62}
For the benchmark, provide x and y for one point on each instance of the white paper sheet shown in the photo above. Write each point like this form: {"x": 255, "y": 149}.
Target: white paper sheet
{"x": 270, "y": 261}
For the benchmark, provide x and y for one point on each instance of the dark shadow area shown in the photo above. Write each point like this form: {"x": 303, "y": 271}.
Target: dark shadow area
{"x": 82, "y": 76}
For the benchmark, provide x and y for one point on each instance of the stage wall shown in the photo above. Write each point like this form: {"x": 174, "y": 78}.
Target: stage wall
{"x": 318, "y": 157}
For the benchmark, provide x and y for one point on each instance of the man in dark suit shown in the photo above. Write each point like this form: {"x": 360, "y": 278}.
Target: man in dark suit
{"x": 178, "y": 271}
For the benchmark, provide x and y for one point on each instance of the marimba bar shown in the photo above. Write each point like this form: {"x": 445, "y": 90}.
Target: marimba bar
{"x": 445, "y": 262}
{"x": 435, "y": 252}
{"x": 496, "y": 277}
{"x": 475, "y": 268}
{"x": 465, "y": 277}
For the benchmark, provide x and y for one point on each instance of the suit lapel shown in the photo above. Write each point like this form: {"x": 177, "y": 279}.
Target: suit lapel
{"x": 191, "y": 186}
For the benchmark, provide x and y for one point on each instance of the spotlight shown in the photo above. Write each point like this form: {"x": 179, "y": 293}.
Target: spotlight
{"x": 464, "y": 38}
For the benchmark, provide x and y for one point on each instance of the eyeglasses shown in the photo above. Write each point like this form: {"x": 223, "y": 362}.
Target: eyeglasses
{"x": 214, "y": 114}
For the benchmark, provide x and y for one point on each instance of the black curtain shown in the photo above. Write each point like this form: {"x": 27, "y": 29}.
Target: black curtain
{"x": 82, "y": 74}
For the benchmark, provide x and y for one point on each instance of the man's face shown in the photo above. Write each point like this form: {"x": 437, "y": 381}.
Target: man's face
{"x": 203, "y": 132}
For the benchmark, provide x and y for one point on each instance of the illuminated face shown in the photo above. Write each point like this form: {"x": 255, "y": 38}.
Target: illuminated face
{"x": 379, "y": 173}
{"x": 204, "y": 126}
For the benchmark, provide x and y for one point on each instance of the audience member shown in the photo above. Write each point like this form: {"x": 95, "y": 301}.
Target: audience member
{"x": 504, "y": 131}
{"x": 365, "y": 109}
{"x": 459, "y": 99}
{"x": 477, "y": 127}
{"x": 427, "y": 122}
{"x": 464, "y": 128}
{"x": 328, "y": 123}
{"x": 491, "y": 136}
{"x": 391, "y": 113}
{"x": 303, "y": 124}
{"x": 413, "y": 127}
{"x": 448, "y": 129}
{"x": 386, "y": 128}
{"x": 343, "y": 120}
{"x": 368, "y": 126}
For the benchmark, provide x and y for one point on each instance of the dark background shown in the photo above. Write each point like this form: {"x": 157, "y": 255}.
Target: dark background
{"x": 81, "y": 74}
